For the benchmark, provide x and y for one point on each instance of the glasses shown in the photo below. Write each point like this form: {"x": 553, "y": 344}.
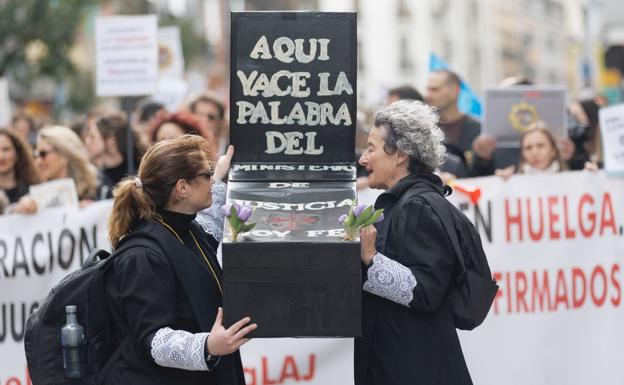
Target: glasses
{"x": 42, "y": 153}
{"x": 206, "y": 174}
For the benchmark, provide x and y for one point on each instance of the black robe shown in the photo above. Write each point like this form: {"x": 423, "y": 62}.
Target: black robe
{"x": 149, "y": 289}
{"x": 417, "y": 344}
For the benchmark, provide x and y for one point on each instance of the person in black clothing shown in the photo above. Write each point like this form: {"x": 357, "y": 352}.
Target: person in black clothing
{"x": 106, "y": 140}
{"x": 405, "y": 92}
{"x": 17, "y": 166}
{"x": 455, "y": 166}
{"x": 584, "y": 131}
{"x": 165, "y": 293}
{"x": 460, "y": 130}
{"x": 408, "y": 333}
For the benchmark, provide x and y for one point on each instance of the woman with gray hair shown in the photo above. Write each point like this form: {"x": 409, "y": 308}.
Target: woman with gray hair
{"x": 408, "y": 333}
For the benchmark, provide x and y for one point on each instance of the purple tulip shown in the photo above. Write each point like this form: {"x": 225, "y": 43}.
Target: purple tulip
{"x": 226, "y": 209}
{"x": 381, "y": 218}
{"x": 342, "y": 218}
{"x": 245, "y": 213}
{"x": 238, "y": 208}
{"x": 357, "y": 210}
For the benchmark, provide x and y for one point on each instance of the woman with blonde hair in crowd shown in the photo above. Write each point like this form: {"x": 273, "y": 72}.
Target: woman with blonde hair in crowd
{"x": 61, "y": 154}
{"x": 166, "y": 282}
{"x": 539, "y": 153}
{"x": 17, "y": 166}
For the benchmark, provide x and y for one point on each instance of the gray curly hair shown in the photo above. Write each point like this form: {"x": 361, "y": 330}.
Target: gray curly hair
{"x": 412, "y": 127}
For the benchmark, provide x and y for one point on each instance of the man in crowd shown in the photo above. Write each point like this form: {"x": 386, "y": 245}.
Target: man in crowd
{"x": 454, "y": 166}
{"x": 459, "y": 129}
{"x": 405, "y": 92}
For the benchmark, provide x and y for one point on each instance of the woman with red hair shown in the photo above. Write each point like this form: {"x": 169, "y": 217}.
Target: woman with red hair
{"x": 173, "y": 125}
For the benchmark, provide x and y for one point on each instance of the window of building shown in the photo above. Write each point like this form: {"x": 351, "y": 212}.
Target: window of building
{"x": 405, "y": 59}
{"x": 403, "y": 11}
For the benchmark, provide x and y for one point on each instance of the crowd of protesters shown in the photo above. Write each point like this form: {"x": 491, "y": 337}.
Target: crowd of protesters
{"x": 470, "y": 153}
{"x": 93, "y": 153}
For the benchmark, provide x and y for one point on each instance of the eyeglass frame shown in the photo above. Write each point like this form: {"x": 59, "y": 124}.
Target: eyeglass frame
{"x": 43, "y": 153}
{"x": 206, "y": 174}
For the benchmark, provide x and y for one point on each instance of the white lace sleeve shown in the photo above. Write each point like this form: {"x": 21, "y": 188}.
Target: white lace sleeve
{"x": 212, "y": 219}
{"x": 179, "y": 349}
{"x": 391, "y": 280}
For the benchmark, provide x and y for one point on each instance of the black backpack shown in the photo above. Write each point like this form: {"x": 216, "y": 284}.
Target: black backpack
{"x": 84, "y": 288}
{"x": 472, "y": 293}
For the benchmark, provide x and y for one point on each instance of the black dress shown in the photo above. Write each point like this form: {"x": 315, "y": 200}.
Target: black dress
{"x": 149, "y": 289}
{"x": 417, "y": 344}
{"x": 14, "y": 194}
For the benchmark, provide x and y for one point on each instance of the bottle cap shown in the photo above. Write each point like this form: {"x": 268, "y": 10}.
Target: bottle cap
{"x": 70, "y": 309}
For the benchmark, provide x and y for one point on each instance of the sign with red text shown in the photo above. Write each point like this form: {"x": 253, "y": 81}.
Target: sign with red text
{"x": 304, "y": 361}
{"x": 554, "y": 243}
{"x": 555, "y": 246}
{"x": 126, "y": 55}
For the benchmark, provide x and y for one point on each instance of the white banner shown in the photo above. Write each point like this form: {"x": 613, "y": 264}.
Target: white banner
{"x": 36, "y": 252}
{"x": 5, "y": 103}
{"x": 126, "y": 55}
{"x": 612, "y": 130}
{"x": 554, "y": 243}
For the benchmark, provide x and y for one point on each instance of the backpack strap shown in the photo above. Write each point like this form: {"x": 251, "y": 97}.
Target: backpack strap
{"x": 438, "y": 206}
{"x": 95, "y": 256}
{"x": 127, "y": 245}
{"x": 443, "y": 211}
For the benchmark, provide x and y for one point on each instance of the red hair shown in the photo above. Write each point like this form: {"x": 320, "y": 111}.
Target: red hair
{"x": 185, "y": 120}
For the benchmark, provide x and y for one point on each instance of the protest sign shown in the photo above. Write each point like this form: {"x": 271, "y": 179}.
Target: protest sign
{"x": 292, "y": 117}
{"x": 5, "y": 103}
{"x": 172, "y": 88}
{"x": 612, "y": 130}
{"x": 554, "y": 243}
{"x": 510, "y": 111}
{"x": 170, "y": 58}
{"x": 36, "y": 252}
{"x": 126, "y": 51}
{"x": 55, "y": 193}
{"x": 293, "y": 87}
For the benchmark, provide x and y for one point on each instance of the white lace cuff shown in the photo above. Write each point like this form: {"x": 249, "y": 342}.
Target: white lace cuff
{"x": 391, "y": 280}
{"x": 179, "y": 349}
{"x": 212, "y": 219}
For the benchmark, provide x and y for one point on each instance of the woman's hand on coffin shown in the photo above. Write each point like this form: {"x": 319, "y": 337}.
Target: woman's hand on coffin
{"x": 223, "y": 165}
{"x": 222, "y": 341}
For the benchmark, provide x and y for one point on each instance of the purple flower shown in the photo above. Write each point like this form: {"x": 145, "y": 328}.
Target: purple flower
{"x": 357, "y": 210}
{"x": 226, "y": 209}
{"x": 342, "y": 218}
{"x": 245, "y": 212}
{"x": 381, "y": 218}
{"x": 238, "y": 208}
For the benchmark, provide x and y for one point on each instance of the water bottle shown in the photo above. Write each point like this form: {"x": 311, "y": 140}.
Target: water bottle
{"x": 72, "y": 341}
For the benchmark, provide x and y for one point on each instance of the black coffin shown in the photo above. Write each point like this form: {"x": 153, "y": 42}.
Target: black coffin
{"x": 293, "y": 274}
{"x": 292, "y": 123}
